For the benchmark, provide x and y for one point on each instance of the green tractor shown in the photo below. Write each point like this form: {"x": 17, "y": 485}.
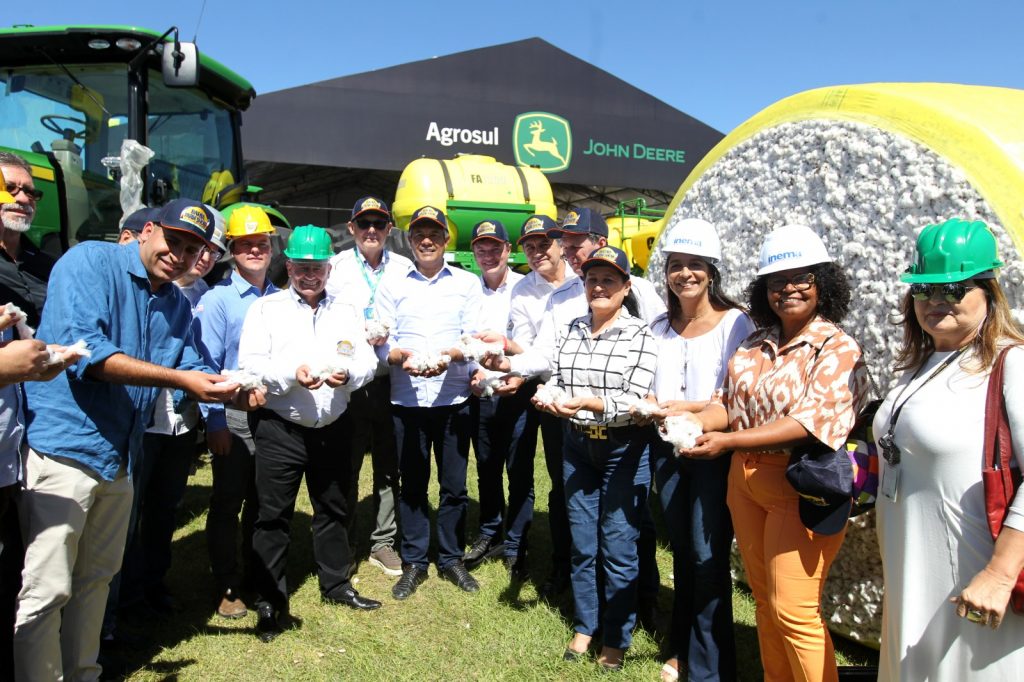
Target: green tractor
{"x": 72, "y": 95}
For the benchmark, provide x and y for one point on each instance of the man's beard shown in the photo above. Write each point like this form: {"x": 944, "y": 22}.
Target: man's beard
{"x": 16, "y": 222}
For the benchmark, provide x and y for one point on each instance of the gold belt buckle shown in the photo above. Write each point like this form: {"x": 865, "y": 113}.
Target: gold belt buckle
{"x": 598, "y": 432}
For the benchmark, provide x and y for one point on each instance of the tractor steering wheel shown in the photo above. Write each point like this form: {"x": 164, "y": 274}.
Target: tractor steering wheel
{"x": 50, "y": 123}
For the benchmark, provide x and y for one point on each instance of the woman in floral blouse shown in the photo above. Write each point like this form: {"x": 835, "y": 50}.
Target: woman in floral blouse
{"x": 797, "y": 379}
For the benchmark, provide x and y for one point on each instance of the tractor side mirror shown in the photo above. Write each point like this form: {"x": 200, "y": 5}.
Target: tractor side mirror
{"x": 180, "y": 64}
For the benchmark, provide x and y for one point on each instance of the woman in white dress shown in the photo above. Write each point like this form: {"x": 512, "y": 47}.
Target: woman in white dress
{"x": 947, "y": 584}
{"x": 696, "y": 338}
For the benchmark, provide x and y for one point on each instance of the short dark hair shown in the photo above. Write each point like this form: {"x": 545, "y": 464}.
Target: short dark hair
{"x": 833, "y": 288}
{"x": 12, "y": 159}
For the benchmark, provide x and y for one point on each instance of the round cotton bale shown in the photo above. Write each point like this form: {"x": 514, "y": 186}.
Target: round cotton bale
{"x": 867, "y": 167}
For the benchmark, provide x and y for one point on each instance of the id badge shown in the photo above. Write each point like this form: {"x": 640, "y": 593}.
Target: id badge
{"x": 368, "y": 313}
{"x": 891, "y": 482}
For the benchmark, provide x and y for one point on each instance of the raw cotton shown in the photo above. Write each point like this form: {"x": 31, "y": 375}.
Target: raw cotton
{"x": 550, "y": 394}
{"x": 245, "y": 379}
{"x": 868, "y": 193}
{"x": 79, "y": 348}
{"x": 475, "y": 349}
{"x": 682, "y": 432}
{"x": 330, "y": 365}
{"x": 425, "y": 362}
{"x": 489, "y": 384}
{"x": 24, "y": 331}
{"x": 376, "y": 330}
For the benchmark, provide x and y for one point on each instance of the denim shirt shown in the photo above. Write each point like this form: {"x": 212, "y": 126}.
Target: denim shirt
{"x": 12, "y": 427}
{"x": 101, "y": 293}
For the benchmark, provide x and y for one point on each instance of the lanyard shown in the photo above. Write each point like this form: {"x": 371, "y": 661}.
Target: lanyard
{"x": 899, "y": 408}
{"x": 376, "y": 276}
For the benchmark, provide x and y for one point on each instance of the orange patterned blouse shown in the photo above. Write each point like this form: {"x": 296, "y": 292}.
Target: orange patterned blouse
{"x": 818, "y": 379}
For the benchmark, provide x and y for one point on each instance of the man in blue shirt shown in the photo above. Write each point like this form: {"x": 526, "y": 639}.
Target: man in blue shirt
{"x": 428, "y": 310}
{"x": 85, "y": 428}
{"x": 219, "y": 317}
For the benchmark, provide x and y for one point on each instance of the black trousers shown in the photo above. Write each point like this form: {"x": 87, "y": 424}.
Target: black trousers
{"x": 284, "y": 452}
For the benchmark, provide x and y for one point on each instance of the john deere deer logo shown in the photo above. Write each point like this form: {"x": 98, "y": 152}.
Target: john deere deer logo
{"x": 543, "y": 140}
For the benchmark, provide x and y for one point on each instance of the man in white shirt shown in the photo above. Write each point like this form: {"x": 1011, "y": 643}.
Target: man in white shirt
{"x": 499, "y": 422}
{"x": 356, "y": 275}
{"x": 310, "y": 351}
{"x": 428, "y": 310}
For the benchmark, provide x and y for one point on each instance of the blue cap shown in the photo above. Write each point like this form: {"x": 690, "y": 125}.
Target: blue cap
{"x": 137, "y": 220}
{"x": 428, "y": 214}
{"x": 581, "y": 221}
{"x": 489, "y": 229}
{"x": 536, "y": 225}
{"x": 370, "y": 204}
{"x": 823, "y": 478}
{"x": 186, "y": 215}
{"x": 608, "y": 255}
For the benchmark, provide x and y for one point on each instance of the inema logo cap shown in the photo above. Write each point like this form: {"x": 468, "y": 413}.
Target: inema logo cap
{"x": 186, "y": 215}
{"x": 789, "y": 247}
{"x": 696, "y": 237}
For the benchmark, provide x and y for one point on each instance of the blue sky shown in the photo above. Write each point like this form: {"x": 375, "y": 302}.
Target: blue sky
{"x": 720, "y": 62}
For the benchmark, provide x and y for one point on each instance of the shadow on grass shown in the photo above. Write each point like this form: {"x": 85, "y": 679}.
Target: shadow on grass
{"x": 191, "y": 583}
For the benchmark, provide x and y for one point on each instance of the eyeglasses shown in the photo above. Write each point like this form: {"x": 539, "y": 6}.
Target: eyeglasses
{"x": 31, "y": 192}
{"x": 953, "y": 292}
{"x": 364, "y": 224}
{"x": 801, "y": 282}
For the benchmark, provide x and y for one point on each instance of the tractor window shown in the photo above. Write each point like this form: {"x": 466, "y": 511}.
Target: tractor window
{"x": 193, "y": 139}
{"x": 56, "y": 123}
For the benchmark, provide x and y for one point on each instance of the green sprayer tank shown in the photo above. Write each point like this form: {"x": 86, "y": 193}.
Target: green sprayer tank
{"x": 469, "y": 189}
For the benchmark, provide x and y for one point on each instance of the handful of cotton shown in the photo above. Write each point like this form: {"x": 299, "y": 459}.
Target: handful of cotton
{"x": 245, "y": 379}
{"x": 24, "y": 331}
{"x": 79, "y": 348}
{"x": 550, "y": 395}
{"x": 488, "y": 385}
{"x": 332, "y": 365}
{"x": 473, "y": 348}
{"x": 376, "y": 330}
{"x": 425, "y": 362}
{"x": 682, "y": 432}
{"x": 643, "y": 408}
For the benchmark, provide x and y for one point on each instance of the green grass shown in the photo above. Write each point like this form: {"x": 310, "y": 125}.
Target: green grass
{"x": 439, "y": 633}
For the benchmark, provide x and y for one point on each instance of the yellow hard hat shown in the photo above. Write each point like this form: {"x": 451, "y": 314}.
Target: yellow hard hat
{"x": 246, "y": 220}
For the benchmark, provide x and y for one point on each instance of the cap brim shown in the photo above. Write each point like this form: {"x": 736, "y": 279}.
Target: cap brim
{"x": 426, "y": 219}
{"x": 601, "y": 261}
{"x": 372, "y": 210}
{"x": 182, "y": 230}
{"x": 828, "y": 519}
{"x": 539, "y": 233}
{"x": 942, "y": 277}
{"x": 495, "y": 237}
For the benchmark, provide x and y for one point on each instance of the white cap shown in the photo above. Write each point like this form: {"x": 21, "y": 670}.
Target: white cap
{"x": 218, "y": 237}
{"x": 696, "y": 237}
{"x": 789, "y": 247}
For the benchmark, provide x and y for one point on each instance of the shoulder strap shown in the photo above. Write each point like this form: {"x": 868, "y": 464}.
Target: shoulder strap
{"x": 998, "y": 446}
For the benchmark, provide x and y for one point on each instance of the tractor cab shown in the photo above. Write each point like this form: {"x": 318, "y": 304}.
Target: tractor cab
{"x": 70, "y": 96}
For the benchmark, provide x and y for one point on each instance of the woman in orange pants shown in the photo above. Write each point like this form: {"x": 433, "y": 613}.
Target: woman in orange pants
{"x": 799, "y": 378}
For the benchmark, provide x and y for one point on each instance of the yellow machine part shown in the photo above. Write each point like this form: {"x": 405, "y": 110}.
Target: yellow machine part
{"x": 219, "y": 180}
{"x": 622, "y": 231}
{"x": 978, "y": 129}
{"x": 472, "y": 178}
{"x": 642, "y": 243}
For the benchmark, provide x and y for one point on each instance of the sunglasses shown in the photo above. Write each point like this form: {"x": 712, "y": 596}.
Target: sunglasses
{"x": 365, "y": 224}
{"x": 30, "y": 192}
{"x": 801, "y": 282}
{"x": 953, "y": 292}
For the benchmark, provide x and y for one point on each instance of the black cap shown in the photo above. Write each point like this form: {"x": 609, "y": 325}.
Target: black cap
{"x": 489, "y": 229}
{"x": 137, "y": 220}
{"x": 823, "y": 478}
{"x": 186, "y": 215}
{"x": 581, "y": 221}
{"x": 536, "y": 225}
{"x": 368, "y": 205}
{"x": 608, "y": 255}
{"x": 428, "y": 214}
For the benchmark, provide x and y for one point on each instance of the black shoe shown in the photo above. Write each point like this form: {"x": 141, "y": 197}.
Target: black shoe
{"x": 159, "y": 599}
{"x": 349, "y": 597}
{"x": 647, "y": 612}
{"x": 272, "y": 623}
{"x": 412, "y": 577}
{"x": 557, "y": 583}
{"x": 483, "y": 548}
{"x": 457, "y": 574}
{"x": 516, "y": 567}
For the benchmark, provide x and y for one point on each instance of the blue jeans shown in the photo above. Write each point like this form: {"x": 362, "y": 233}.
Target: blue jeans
{"x": 606, "y": 484}
{"x": 445, "y": 431}
{"x": 505, "y": 440}
{"x": 700, "y": 532}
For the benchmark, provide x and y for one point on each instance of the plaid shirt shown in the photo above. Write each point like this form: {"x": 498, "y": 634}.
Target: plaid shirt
{"x": 617, "y": 363}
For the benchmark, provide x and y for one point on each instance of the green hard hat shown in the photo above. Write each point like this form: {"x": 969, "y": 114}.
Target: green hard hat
{"x": 309, "y": 242}
{"x": 952, "y": 252}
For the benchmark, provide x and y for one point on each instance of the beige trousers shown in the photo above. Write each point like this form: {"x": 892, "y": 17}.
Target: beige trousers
{"x": 74, "y": 524}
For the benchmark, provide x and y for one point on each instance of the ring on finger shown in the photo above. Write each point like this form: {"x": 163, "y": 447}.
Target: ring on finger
{"x": 976, "y": 616}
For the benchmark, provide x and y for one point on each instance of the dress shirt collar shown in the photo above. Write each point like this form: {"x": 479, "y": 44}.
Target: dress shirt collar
{"x": 814, "y": 334}
{"x": 384, "y": 258}
{"x": 301, "y": 302}
{"x": 444, "y": 271}
{"x": 242, "y": 285}
{"x": 620, "y": 323}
